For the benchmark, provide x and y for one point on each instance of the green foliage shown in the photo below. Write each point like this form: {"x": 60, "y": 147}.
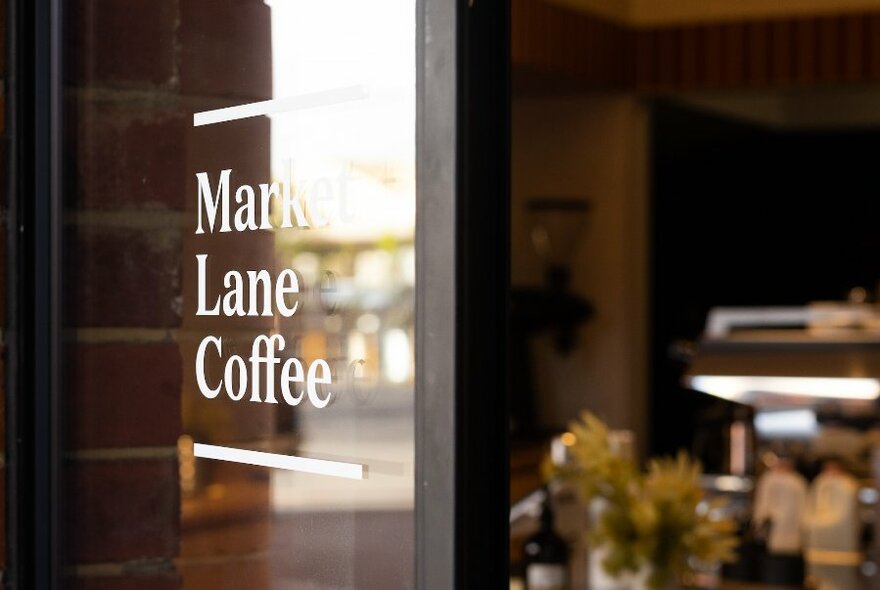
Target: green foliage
{"x": 659, "y": 518}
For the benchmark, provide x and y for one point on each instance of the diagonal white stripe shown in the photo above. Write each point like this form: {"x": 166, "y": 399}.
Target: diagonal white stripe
{"x": 280, "y": 105}
{"x": 289, "y": 462}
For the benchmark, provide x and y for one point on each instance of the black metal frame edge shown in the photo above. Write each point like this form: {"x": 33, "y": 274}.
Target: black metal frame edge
{"x": 436, "y": 122}
{"x": 462, "y": 217}
{"x": 34, "y": 89}
{"x": 482, "y": 262}
{"x": 10, "y": 345}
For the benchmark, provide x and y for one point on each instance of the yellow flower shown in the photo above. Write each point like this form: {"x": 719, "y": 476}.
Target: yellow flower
{"x": 660, "y": 519}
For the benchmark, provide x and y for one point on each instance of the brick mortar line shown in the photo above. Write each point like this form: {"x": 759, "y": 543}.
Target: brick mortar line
{"x": 221, "y": 559}
{"x": 122, "y": 453}
{"x": 158, "y": 94}
{"x": 121, "y": 335}
{"x": 131, "y": 335}
{"x": 167, "y": 219}
{"x": 196, "y": 335}
{"x": 267, "y": 444}
{"x": 110, "y": 569}
{"x": 162, "y": 96}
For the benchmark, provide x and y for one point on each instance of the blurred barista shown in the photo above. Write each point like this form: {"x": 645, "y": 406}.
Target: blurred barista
{"x": 833, "y": 527}
{"x": 780, "y": 502}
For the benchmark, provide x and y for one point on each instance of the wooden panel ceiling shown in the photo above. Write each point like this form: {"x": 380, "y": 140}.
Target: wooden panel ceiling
{"x": 652, "y": 13}
{"x": 555, "y": 47}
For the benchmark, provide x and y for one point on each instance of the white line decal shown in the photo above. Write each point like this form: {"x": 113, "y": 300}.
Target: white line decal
{"x": 289, "y": 462}
{"x": 280, "y": 105}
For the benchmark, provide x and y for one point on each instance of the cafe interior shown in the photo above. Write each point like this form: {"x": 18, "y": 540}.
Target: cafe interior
{"x": 695, "y": 274}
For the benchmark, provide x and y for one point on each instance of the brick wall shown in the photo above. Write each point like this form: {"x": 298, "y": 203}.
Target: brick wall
{"x": 138, "y": 70}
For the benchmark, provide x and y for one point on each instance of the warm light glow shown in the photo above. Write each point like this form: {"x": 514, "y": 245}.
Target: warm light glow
{"x": 568, "y": 439}
{"x": 368, "y": 323}
{"x": 186, "y": 464}
{"x": 396, "y": 355}
{"x": 357, "y": 346}
{"x": 737, "y": 388}
{"x": 732, "y": 484}
{"x": 787, "y": 424}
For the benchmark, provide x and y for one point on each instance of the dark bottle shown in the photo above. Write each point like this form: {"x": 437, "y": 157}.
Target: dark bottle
{"x": 546, "y": 555}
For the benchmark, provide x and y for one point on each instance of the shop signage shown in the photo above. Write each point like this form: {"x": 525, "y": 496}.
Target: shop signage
{"x": 256, "y": 292}
{"x": 266, "y": 372}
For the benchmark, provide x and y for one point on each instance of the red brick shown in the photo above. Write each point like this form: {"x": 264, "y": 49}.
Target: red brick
{"x": 123, "y": 395}
{"x": 125, "y": 277}
{"x": 127, "y": 43}
{"x": 226, "y": 48}
{"x": 129, "y": 155}
{"x": 123, "y": 510}
{"x": 160, "y": 581}
{"x": 253, "y": 574}
{"x": 242, "y": 146}
{"x": 230, "y": 538}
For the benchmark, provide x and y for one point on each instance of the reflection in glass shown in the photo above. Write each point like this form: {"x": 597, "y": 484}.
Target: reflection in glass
{"x": 350, "y": 165}
{"x": 162, "y": 341}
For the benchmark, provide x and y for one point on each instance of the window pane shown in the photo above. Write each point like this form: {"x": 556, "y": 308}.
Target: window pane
{"x": 240, "y": 213}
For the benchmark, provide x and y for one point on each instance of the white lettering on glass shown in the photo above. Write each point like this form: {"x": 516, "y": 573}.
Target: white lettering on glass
{"x": 257, "y": 292}
{"x": 211, "y": 202}
{"x": 305, "y": 204}
{"x": 240, "y": 377}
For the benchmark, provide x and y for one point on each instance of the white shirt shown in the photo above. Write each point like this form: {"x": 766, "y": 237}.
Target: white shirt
{"x": 781, "y": 497}
{"x": 832, "y": 518}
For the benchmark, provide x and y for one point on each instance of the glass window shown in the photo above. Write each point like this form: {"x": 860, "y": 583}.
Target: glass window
{"x": 239, "y": 243}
